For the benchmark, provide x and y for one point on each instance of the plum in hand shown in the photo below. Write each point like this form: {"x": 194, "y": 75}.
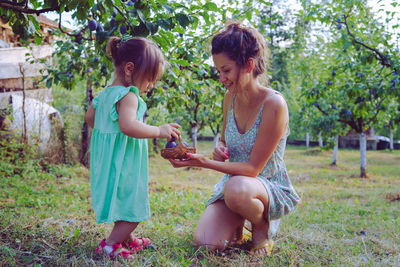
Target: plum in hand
{"x": 170, "y": 144}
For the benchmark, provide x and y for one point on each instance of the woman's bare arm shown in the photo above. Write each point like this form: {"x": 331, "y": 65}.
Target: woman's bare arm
{"x": 273, "y": 126}
{"x": 220, "y": 152}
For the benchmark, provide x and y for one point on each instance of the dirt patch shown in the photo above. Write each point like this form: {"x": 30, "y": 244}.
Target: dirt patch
{"x": 155, "y": 187}
{"x": 393, "y": 197}
{"x": 313, "y": 152}
{"x": 357, "y": 176}
{"x": 301, "y": 177}
{"x": 337, "y": 167}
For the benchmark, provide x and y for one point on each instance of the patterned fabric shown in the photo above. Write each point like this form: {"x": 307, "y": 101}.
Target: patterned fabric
{"x": 118, "y": 163}
{"x": 282, "y": 196}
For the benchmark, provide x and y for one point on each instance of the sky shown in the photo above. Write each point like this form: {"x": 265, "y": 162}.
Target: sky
{"x": 385, "y": 5}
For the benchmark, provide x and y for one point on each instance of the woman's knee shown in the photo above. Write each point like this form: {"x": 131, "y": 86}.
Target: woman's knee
{"x": 236, "y": 192}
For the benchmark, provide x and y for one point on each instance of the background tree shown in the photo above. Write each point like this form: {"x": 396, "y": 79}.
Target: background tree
{"x": 362, "y": 80}
{"x": 172, "y": 25}
{"x": 390, "y": 120}
{"x": 274, "y": 19}
{"x": 340, "y": 73}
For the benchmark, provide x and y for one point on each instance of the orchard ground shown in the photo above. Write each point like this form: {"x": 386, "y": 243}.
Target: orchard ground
{"x": 342, "y": 220}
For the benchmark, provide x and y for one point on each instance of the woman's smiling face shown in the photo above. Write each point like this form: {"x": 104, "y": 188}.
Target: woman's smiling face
{"x": 228, "y": 70}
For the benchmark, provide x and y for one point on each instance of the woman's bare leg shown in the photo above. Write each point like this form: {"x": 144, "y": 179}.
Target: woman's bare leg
{"x": 217, "y": 226}
{"x": 248, "y": 197}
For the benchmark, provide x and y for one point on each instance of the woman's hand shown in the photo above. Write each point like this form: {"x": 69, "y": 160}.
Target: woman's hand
{"x": 194, "y": 160}
{"x": 221, "y": 152}
{"x": 170, "y": 130}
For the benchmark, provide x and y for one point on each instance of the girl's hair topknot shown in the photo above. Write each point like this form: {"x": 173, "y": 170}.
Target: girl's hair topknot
{"x": 143, "y": 53}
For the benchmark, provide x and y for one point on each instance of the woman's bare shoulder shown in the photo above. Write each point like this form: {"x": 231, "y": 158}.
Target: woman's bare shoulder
{"x": 275, "y": 106}
{"x": 275, "y": 99}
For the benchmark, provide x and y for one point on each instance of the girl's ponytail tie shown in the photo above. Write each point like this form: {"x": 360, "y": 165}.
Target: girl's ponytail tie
{"x": 124, "y": 38}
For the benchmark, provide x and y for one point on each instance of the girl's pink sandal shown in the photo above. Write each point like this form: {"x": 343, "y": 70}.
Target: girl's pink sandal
{"x": 114, "y": 251}
{"x": 139, "y": 243}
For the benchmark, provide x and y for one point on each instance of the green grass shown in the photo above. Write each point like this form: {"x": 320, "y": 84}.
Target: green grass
{"x": 343, "y": 220}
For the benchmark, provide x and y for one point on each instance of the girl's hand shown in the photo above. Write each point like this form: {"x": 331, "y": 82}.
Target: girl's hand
{"x": 221, "y": 152}
{"x": 194, "y": 160}
{"x": 169, "y": 130}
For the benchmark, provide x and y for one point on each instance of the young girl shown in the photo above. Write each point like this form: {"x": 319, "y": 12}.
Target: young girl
{"x": 256, "y": 186}
{"x": 119, "y": 154}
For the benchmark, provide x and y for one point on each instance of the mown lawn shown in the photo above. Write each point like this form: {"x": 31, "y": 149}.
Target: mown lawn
{"x": 343, "y": 220}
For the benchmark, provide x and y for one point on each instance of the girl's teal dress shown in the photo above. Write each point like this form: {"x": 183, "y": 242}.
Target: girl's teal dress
{"x": 118, "y": 163}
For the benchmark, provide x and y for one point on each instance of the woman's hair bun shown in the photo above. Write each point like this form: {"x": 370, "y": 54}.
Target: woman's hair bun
{"x": 240, "y": 43}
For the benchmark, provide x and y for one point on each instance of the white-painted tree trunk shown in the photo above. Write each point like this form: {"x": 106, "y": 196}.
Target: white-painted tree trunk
{"x": 363, "y": 155}
{"x": 391, "y": 139}
{"x": 335, "y": 150}
{"x": 194, "y": 136}
{"x": 307, "y": 139}
{"x": 320, "y": 142}
{"x": 216, "y": 140}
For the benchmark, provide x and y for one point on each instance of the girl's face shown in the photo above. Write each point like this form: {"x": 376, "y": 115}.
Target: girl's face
{"x": 228, "y": 71}
{"x": 145, "y": 85}
{"x": 142, "y": 83}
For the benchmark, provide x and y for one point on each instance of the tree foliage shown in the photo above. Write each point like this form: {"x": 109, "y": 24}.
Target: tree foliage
{"x": 359, "y": 66}
{"x": 181, "y": 29}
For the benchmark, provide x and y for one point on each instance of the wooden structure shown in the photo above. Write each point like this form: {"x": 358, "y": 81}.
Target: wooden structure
{"x": 9, "y": 39}
{"x": 24, "y": 100}
{"x": 352, "y": 140}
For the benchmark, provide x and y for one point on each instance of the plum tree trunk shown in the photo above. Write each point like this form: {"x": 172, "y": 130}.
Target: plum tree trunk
{"x": 194, "y": 136}
{"x": 85, "y": 142}
{"x": 335, "y": 150}
{"x": 320, "y": 142}
{"x": 216, "y": 140}
{"x": 363, "y": 155}
{"x": 155, "y": 145}
{"x": 391, "y": 139}
{"x": 307, "y": 139}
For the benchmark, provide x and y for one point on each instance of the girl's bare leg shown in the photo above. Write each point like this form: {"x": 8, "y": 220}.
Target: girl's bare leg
{"x": 121, "y": 232}
{"x": 217, "y": 226}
